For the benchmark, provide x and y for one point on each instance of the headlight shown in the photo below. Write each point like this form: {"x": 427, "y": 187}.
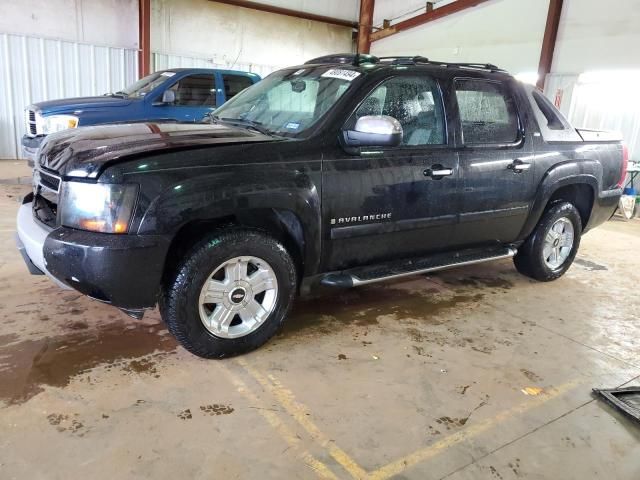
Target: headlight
{"x": 57, "y": 123}
{"x": 97, "y": 207}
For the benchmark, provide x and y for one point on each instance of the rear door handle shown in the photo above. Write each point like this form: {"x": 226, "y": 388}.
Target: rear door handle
{"x": 518, "y": 166}
{"x": 438, "y": 171}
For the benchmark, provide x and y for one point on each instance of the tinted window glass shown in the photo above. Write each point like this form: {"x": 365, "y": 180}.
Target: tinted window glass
{"x": 487, "y": 112}
{"x": 415, "y": 103}
{"x": 196, "y": 90}
{"x": 234, "y": 84}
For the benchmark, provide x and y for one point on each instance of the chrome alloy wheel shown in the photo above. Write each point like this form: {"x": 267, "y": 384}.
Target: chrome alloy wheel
{"x": 558, "y": 243}
{"x": 238, "y": 297}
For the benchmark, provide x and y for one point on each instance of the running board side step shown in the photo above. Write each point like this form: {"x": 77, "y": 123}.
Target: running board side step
{"x": 403, "y": 268}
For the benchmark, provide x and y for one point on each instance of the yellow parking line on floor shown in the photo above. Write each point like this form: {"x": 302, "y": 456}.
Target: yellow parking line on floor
{"x": 398, "y": 466}
{"x": 288, "y": 436}
{"x": 300, "y": 413}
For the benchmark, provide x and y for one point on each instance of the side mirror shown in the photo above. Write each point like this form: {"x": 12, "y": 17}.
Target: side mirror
{"x": 374, "y": 131}
{"x": 168, "y": 96}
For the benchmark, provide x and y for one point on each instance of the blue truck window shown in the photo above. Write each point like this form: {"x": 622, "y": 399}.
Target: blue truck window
{"x": 234, "y": 84}
{"x": 196, "y": 90}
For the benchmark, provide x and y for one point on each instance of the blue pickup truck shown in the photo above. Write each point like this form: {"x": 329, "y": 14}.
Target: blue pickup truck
{"x": 177, "y": 94}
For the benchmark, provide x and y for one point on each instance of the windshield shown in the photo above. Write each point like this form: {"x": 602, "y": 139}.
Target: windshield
{"x": 288, "y": 102}
{"x": 145, "y": 85}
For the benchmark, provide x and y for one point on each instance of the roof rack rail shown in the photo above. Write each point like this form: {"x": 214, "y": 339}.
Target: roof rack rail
{"x": 345, "y": 58}
{"x": 425, "y": 61}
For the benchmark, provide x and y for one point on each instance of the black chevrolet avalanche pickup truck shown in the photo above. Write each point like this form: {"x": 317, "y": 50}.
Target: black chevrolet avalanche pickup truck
{"x": 344, "y": 171}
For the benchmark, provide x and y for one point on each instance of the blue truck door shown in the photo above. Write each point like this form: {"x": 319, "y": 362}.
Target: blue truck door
{"x": 195, "y": 96}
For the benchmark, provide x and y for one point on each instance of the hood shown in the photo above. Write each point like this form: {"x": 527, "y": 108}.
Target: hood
{"x": 70, "y": 105}
{"x": 84, "y": 151}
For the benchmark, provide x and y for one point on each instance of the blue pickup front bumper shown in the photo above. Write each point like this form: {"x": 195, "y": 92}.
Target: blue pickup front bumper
{"x": 30, "y": 146}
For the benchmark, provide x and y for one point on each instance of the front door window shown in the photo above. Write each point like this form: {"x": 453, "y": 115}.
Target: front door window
{"x": 415, "y": 102}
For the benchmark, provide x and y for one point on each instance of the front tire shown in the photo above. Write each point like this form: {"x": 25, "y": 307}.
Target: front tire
{"x": 550, "y": 250}
{"x": 229, "y": 294}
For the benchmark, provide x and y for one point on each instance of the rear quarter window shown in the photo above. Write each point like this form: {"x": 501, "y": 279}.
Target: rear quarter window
{"x": 554, "y": 127}
{"x": 234, "y": 84}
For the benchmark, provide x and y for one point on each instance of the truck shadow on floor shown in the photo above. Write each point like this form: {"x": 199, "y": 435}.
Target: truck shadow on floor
{"x": 365, "y": 305}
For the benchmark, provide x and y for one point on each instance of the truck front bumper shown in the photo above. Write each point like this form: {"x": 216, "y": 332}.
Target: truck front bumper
{"x": 30, "y": 146}
{"x": 122, "y": 270}
{"x": 30, "y": 238}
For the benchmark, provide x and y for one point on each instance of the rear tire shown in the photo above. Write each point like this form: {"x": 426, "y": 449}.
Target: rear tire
{"x": 550, "y": 250}
{"x": 229, "y": 294}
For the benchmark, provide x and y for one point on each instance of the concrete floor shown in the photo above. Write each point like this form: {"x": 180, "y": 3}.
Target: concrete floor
{"x": 471, "y": 373}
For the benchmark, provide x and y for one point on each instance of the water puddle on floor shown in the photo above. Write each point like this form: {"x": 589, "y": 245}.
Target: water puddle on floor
{"x": 27, "y": 366}
{"x": 362, "y": 306}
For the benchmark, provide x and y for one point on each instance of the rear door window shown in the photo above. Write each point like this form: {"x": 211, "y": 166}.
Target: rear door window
{"x": 196, "y": 90}
{"x": 234, "y": 84}
{"x": 488, "y": 112}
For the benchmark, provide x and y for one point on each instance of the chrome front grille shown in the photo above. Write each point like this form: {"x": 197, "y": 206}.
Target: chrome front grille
{"x": 46, "y": 180}
{"x": 30, "y": 119}
{"x": 46, "y": 190}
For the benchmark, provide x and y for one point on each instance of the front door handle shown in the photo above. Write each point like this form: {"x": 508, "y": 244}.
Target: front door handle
{"x": 518, "y": 166}
{"x": 438, "y": 171}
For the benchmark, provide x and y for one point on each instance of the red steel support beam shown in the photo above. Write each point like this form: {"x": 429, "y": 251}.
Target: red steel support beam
{"x": 364, "y": 25}
{"x": 144, "y": 37}
{"x": 288, "y": 12}
{"x": 429, "y": 16}
{"x": 549, "y": 41}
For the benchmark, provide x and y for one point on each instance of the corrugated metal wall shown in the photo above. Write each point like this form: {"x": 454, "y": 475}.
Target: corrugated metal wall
{"x": 36, "y": 69}
{"x": 161, "y": 61}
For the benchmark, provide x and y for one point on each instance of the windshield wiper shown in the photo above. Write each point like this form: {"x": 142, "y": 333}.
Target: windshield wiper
{"x": 257, "y": 126}
{"x": 119, "y": 94}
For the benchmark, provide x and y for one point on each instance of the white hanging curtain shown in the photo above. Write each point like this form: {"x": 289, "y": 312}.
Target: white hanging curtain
{"x": 602, "y": 101}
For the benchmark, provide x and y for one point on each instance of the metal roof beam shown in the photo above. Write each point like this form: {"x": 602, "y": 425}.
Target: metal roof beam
{"x": 429, "y": 16}
{"x": 365, "y": 25}
{"x": 549, "y": 41}
{"x": 144, "y": 38}
{"x": 263, "y": 7}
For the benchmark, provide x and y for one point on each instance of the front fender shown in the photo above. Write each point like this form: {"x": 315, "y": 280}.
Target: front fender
{"x": 225, "y": 193}
{"x": 587, "y": 172}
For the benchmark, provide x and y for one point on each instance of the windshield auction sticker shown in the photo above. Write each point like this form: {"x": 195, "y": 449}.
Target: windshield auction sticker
{"x": 341, "y": 74}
